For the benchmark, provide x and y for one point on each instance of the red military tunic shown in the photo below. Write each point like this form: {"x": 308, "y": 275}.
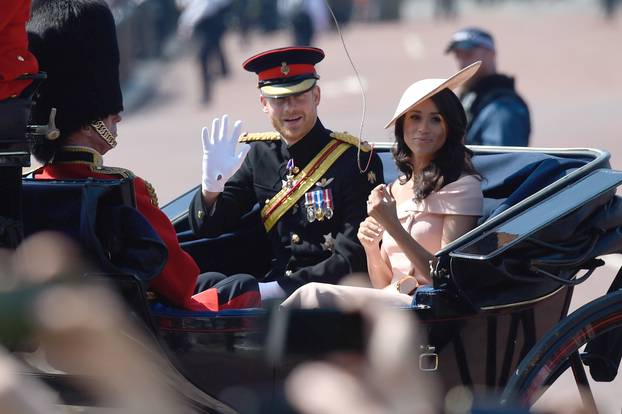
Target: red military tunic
{"x": 15, "y": 59}
{"x": 177, "y": 281}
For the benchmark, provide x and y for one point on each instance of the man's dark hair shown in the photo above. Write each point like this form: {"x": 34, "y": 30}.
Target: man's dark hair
{"x": 451, "y": 161}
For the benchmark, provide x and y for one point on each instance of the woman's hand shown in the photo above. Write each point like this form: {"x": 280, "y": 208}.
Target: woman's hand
{"x": 381, "y": 206}
{"x": 370, "y": 233}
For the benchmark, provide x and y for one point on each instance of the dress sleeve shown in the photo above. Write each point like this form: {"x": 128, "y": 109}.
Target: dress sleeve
{"x": 462, "y": 197}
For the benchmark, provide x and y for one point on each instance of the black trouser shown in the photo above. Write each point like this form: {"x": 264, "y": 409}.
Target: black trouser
{"x": 236, "y": 291}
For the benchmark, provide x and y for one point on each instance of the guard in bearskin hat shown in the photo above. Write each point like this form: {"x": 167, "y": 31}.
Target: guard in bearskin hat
{"x": 75, "y": 43}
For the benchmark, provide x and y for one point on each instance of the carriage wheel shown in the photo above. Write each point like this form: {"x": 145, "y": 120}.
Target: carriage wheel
{"x": 558, "y": 350}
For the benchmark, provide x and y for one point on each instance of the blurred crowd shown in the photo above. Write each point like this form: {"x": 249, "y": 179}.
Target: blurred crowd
{"x": 145, "y": 26}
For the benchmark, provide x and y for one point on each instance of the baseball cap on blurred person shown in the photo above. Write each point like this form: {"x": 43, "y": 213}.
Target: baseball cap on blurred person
{"x": 470, "y": 37}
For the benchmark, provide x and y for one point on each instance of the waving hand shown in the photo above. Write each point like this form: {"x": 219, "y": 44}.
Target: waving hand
{"x": 222, "y": 155}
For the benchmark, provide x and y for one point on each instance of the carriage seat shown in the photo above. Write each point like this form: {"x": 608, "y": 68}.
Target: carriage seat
{"x": 512, "y": 177}
{"x": 508, "y": 178}
{"x": 99, "y": 216}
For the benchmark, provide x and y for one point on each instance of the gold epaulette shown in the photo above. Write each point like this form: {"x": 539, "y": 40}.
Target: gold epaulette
{"x": 352, "y": 140}
{"x": 260, "y": 136}
{"x": 152, "y": 193}
{"x": 122, "y": 172}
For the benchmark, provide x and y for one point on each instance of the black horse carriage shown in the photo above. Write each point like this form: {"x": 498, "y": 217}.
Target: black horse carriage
{"x": 496, "y": 315}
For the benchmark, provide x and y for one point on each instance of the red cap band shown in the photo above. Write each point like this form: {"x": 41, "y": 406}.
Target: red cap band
{"x": 286, "y": 71}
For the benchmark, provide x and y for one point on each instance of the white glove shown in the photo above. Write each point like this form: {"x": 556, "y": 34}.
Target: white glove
{"x": 271, "y": 290}
{"x": 222, "y": 156}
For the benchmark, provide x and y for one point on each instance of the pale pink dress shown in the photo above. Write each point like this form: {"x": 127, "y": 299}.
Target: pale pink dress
{"x": 424, "y": 221}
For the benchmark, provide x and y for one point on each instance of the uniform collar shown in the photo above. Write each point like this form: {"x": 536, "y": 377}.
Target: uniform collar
{"x": 78, "y": 155}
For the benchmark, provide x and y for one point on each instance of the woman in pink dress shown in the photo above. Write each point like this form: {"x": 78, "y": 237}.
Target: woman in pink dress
{"x": 436, "y": 200}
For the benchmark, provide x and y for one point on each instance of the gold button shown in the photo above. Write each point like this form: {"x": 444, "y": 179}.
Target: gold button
{"x": 200, "y": 214}
{"x": 295, "y": 238}
{"x": 267, "y": 200}
{"x": 20, "y": 58}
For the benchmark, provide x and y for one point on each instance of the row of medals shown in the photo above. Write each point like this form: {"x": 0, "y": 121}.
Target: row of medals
{"x": 319, "y": 210}
{"x": 319, "y": 213}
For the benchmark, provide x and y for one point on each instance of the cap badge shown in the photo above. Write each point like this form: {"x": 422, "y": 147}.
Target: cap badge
{"x": 289, "y": 178}
{"x": 324, "y": 182}
{"x": 284, "y": 68}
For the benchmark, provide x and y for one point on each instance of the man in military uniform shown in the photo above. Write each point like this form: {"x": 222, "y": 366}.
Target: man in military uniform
{"x": 75, "y": 43}
{"x": 311, "y": 183}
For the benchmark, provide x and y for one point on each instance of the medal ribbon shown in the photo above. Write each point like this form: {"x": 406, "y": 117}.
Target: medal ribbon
{"x": 317, "y": 198}
{"x": 287, "y": 197}
{"x": 328, "y": 199}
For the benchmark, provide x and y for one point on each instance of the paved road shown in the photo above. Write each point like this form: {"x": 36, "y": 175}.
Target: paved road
{"x": 565, "y": 56}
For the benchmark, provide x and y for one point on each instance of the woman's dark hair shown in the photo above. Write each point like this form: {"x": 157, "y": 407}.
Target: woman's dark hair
{"x": 450, "y": 162}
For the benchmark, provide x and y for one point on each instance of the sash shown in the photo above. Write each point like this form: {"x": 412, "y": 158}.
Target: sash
{"x": 285, "y": 199}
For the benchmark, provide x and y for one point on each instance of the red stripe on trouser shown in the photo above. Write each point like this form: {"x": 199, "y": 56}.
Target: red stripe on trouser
{"x": 244, "y": 300}
{"x": 204, "y": 301}
{"x": 207, "y": 301}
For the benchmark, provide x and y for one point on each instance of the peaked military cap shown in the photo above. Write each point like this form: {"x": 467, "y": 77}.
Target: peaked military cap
{"x": 285, "y": 71}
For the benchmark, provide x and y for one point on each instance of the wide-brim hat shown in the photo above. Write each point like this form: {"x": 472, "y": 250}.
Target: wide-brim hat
{"x": 424, "y": 89}
{"x": 285, "y": 71}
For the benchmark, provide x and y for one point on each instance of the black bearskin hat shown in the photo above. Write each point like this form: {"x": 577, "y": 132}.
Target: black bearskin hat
{"x": 75, "y": 42}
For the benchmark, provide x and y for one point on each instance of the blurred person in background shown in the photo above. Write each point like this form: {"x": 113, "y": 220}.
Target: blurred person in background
{"x": 386, "y": 378}
{"x": 496, "y": 113}
{"x": 307, "y": 18}
{"x": 310, "y": 182}
{"x": 609, "y": 8}
{"x": 58, "y": 320}
{"x": 445, "y": 9}
{"x": 206, "y": 21}
{"x": 75, "y": 43}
